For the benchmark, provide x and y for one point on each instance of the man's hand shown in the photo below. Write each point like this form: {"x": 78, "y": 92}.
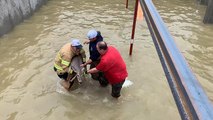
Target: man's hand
{"x": 86, "y": 42}
{"x": 83, "y": 65}
{"x": 86, "y": 63}
{"x": 93, "y": 70}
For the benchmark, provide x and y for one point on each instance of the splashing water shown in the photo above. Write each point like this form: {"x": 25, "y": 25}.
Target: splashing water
{"x": 127, "y": 83}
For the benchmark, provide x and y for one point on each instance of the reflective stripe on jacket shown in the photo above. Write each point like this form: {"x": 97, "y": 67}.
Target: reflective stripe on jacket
{"x": 64, "y": 57}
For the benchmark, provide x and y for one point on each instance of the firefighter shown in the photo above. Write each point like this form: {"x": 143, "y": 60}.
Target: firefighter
{"x": 62, "y": 64}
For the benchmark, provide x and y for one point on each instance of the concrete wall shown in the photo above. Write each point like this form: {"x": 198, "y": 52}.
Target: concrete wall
{"x": 12, "y": 12}
{"x": 203, "y": 2}
{"x": 208, "y": 18}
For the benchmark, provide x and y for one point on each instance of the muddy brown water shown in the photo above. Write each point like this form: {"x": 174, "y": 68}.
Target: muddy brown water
{"x": 29, "y": 86}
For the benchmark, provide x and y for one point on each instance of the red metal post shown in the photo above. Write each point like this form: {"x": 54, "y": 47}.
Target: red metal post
{"x": 127, "y": 3}
{"x": 133, "y": 27}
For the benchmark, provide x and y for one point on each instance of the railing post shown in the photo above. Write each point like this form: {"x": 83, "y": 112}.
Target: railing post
{"x": 127, "y": 3}
{"x": 133, "y": 27}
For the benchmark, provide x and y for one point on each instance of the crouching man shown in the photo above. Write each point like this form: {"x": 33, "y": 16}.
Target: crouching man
{"x": 113, "y": 67}
{"x": 68, "y": 61}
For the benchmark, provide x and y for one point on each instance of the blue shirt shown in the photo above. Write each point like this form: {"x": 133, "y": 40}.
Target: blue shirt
{"x": 94, "y": 54}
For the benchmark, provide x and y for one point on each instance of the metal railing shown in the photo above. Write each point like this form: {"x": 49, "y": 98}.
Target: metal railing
{"x": 190, "y": 98}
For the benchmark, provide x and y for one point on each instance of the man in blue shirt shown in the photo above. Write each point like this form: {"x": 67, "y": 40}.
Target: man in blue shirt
{"x": 94, "y": 37}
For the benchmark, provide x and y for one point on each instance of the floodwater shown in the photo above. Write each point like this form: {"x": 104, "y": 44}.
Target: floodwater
{"x": 29, "y": 87}
{"x": 194, "y": 39}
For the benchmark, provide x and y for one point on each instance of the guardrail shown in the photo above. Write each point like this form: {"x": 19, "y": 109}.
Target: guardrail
{"x": 191, "y": 100}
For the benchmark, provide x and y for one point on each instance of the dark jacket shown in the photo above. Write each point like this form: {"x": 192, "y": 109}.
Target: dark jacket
{"x": 94, "y": 54}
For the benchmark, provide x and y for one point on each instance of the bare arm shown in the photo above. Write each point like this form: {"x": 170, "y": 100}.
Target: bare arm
{"x": 93, "y": 70}
{"x": 86, "y": 42}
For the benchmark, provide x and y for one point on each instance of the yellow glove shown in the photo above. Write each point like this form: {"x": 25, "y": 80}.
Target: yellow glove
{"x": 70, "y": 71}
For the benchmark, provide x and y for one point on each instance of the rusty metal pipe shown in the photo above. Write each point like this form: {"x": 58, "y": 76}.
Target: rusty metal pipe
{"x": 133, "y": 27}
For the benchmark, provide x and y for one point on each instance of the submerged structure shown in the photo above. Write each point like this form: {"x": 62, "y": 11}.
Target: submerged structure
{"x": 208, "y": 18}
